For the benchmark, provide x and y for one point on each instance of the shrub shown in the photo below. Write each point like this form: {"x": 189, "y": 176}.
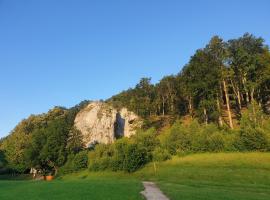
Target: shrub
{"x": 230, "y": 139}
{"x": 129, "y": 154}
{"x": 216, "y": 142}
{"x": 209, "y": 139}
{"x": 135, "y": 158}
{"x": 161, "y": 154}
{"x": 80, "y": 160}
{"x": 179, "y": 139}
{"x": 119, "y": 157}
{"x": 100, "y": 158}
{"x": 68, "y": 167}
{"x": 75, "y": 162}
{"x": 148, "y": 141}
{"x": 125, "y": 154}
{"x": 253, "y": 139}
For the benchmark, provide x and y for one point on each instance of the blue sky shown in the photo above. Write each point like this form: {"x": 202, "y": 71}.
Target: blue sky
{"x": 60, "y": 52}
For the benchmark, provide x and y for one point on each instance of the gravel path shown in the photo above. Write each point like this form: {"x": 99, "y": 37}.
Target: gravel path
{"x": 152, "y": 192}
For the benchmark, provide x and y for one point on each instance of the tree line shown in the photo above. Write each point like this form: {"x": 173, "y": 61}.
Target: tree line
{"x": 42, "y": 141}
{"x": 219, "y": 81}
{"x": 225, "y": 84}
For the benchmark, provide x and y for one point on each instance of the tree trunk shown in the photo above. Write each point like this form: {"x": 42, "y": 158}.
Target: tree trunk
{"x": 252, "y": 95}
{"x": 245, "y": 89}
{"x": 239, "y": 99}
{"x": 190, "y": 109}
{"x": 55, "y": 171}
{"x": 220, "y": 122}
{"x": 242, "y": 97}
{"x": 228, "y": 104}
{"x": 163, "y": 106}
{"x": 247, "y": 97}
{"x": 253, "y": 105}
{"x": 237, "y": 94}
{"x": 205, "y": 116}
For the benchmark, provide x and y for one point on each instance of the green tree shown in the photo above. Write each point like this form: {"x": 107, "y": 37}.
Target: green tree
{"x": 75, "y": 141}
{"x": 48, "y": 146}
{"x": 245, "y": 53}
{"x": 3, "y": 161}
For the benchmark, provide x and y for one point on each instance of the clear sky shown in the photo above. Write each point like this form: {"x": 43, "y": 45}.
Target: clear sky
{"x": 60, "y": 52}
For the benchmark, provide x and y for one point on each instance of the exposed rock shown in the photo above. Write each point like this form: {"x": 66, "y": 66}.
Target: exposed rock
{"x": 100, "y": 122}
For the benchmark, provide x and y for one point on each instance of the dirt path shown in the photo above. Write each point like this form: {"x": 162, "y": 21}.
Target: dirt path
{"x": 152, "y": 192}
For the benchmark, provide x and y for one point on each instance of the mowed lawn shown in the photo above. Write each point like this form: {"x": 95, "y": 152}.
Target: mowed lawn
{"x": 221, "y": 176}
{"x": 79, "y": 188}
{"x": 215, "y": 176}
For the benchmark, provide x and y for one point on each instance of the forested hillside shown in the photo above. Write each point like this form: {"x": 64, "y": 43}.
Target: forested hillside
{"x": 220, "y": 81}
{"x": 219, "y": 101}
{"x": 43, "y": 141}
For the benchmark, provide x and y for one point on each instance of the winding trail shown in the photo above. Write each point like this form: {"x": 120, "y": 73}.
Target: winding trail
{"x": 152, "y": 192}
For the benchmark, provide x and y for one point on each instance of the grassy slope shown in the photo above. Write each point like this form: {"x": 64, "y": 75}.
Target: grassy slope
{"x": 238, "y": 176}
{"x": 82, "y": 186}
{"x": 213, "y": 176}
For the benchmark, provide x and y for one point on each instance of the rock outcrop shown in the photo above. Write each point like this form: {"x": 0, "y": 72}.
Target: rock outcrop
{"x": 100, "y": 122}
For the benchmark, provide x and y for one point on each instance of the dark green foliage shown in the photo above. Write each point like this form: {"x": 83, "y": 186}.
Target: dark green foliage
{"x": 253, "y": 135}
{"x": 68, "y": 167}
{"x": 221, "y": 76}
{"x": 80, "y": 160}
{"x": 75, "y": 141}
{"x": 161, "y": 154}
{"x": 139, "y": 99}
{"x": 147, "y": 141}
{"x": 135, "y": 157}
{"x": 40, "y": 141}
{"x": 75, "y": 162}
{"x": 47, "y": 149}
{"x": 253, "y": 139}
{"x": 197, "y": 138}
{"x": 3, "y": 162}
{"x": 101, "y": 157}
{"x": 125, "y": 154}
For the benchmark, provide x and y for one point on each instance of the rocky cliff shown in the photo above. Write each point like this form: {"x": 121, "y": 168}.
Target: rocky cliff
{"x": 100, "y": 122}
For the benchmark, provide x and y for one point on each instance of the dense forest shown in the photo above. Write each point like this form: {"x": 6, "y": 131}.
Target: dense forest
{"x": 219, "y": 101}
{"x": 219, "y": 81}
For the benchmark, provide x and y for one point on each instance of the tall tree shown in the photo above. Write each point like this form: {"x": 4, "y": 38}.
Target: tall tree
{"x": 218, "y": 53}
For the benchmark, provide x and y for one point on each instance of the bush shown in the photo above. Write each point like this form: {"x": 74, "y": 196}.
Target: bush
{"x": 68, "y": 167}
{"x": 178, "y": 139}
{"x": 148, "y": 141}
{"x": 208, "y": 139}
{"x": 100, "y": 158}
{"x": 253, "y": 139}
{"x": 80, "y": 161}
{"x": 130, "y": 154}
{"x": 161, "y": 154}
{"x": 118, "y": 160}
{"x": 135, "y": 158}
{"x": 125, "y": 154}
{"x": 216, "y": 142}
{"x": 75, "y": 162}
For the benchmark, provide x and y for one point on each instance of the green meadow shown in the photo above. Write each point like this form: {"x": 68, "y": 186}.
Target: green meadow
{"x": 82, "y": 187}
{"x": 230, "y": 176}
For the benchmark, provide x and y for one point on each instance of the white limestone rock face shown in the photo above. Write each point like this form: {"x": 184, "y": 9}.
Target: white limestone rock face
{"x": 100, "y": 122}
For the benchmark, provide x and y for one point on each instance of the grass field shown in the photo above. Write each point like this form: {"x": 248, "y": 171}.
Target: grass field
{"x": 237, "y": 176}
{"x": 94, "y": 187}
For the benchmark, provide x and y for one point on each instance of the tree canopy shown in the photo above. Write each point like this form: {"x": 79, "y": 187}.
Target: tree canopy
{"x": 217, "y": 83}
